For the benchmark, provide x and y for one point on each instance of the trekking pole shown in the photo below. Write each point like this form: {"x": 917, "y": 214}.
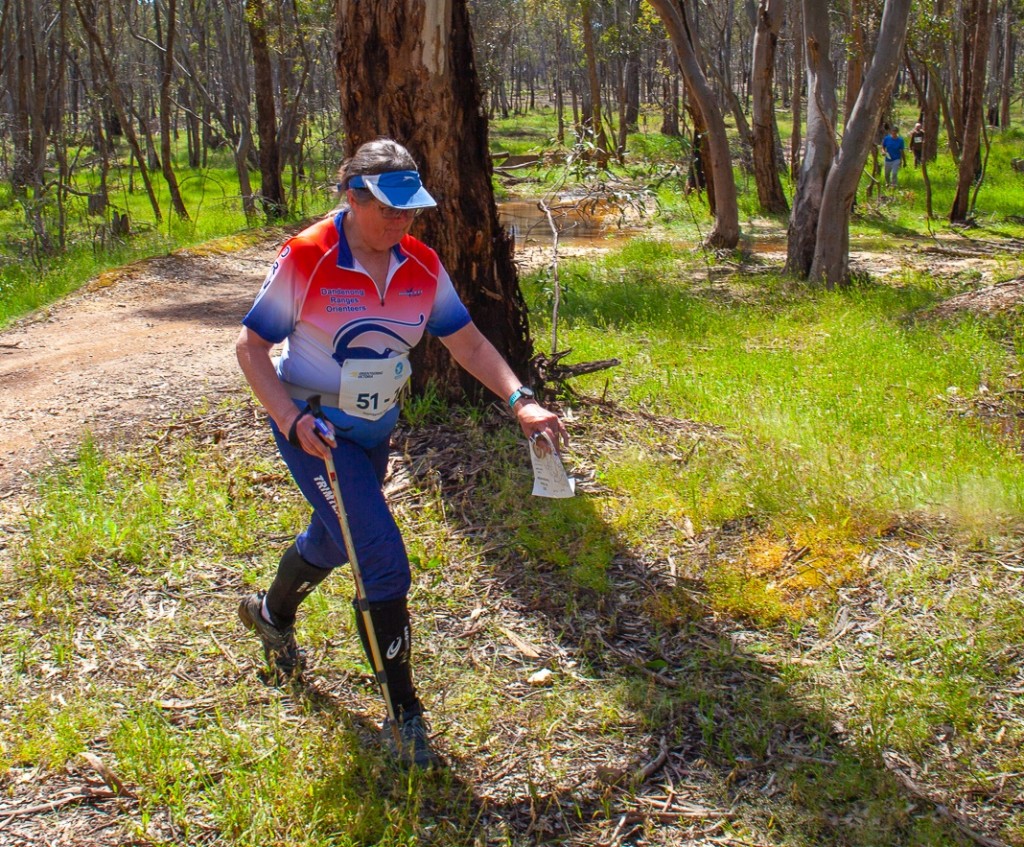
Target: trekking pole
{"x": 361, "y": 602}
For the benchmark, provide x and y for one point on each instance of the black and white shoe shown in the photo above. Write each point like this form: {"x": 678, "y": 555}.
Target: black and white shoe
{"x": 284, "y": 658}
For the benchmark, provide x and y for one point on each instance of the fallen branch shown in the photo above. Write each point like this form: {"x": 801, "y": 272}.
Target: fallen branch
{"x": 943, "y": 811}
{"x": 549, "y": 369}
{"x": 41, "y": 808}
{"x": 652, "y": 767}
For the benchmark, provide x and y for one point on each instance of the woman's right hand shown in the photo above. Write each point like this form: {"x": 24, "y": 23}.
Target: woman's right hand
{"x": 309, "y": 436}
{"x": 254, "y": 358}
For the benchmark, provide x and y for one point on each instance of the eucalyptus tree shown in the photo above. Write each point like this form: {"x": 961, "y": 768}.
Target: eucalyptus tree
{"x": 283, "y": 66}
{"x": 820, "y": 138}
{"x": 713, "y": 32}
{"x": 405, "y": 69}
{"x": 271, "y": 188}
{"x": 593, "y": 122}
{"x": 763, "y": 135}
{"x": 554, "y": 27}
{"x": 495, "y": 27}
{"x": 28, "y": 48}
{"x": 214, "y": 57}
{"x": 726, "y": 230}
{"x": 1007, "y": 57}
{"x": 975, "y": 66}
{"x": 89, "y": 15}
{"x": 928, "y": 37}
{"x": 796, "y": 26}
{"x": 819, "y": 231}
{"x": 167, "y": 65}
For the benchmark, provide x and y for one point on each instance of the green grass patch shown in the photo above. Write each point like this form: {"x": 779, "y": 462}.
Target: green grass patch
{"x": 31, "y": 277}
{"x": 814, "y": 384}
{"x": 790, "y": 562}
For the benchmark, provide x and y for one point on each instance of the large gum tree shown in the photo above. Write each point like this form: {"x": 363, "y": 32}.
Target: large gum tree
{"x": 674, "y": 15}
{"x": 819, "y": 232}
{"x": 405, "y": 70}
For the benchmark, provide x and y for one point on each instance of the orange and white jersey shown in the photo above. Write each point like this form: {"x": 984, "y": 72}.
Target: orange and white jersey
{"x": 326, "y": 309}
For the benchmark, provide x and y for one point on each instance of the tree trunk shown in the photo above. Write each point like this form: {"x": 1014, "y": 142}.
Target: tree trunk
{"x": 596, "y": 125}
{"x": 87, "y": 15}
{"x": 956, "y": 72}
{"x": 726, "y": 231}
{"x": 799, "y": 74}
{"x": 271, "y": 191}
{"x": 31, "y": 69}
{"x": 832, "y": 250}
{"x": 670, "y": 97}
{"x": 974, "y": 95}
{"x": 405, "y": 70}
{"x": 233, "y": 113}
{"x": 766, "y": 173}
{"x": 855, "y": 57}
{"x": 946, "y": 110}
{"x": 1009, "y": 48}
{"x": 559, "y": 94}
{"x": 630, "y": 72}
{"x": 819, "y": 147}
{"x": 166, "y": 78}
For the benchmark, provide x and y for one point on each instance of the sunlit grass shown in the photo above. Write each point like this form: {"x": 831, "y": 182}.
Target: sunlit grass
{"x": 31, "y": 278}
{"x": 814, "y": 383}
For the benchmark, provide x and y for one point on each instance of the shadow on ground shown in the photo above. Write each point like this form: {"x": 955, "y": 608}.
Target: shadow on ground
{"x": 722, "y": 743}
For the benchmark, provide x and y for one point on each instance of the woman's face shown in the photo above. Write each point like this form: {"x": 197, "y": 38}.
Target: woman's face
{"x": 378, "y": 226}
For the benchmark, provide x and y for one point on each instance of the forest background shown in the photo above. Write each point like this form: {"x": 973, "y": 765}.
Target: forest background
{"x": 785, "y": 609}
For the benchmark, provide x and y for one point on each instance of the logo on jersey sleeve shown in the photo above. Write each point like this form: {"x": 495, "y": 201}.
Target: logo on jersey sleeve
{"x": 274, "y": 268}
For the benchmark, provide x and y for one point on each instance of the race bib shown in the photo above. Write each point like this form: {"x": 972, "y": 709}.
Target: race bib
{"x": 369, "y": 388}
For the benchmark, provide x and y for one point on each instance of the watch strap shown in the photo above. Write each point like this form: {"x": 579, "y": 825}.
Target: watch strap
{"x": 517, "y": 395}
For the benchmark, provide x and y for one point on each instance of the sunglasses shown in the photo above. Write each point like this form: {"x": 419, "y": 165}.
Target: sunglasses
{"x": 390, "y": 213}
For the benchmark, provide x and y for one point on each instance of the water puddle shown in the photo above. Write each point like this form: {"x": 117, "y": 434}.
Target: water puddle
{"x": 582, "y": 221}
{"x": 768, "y": 244}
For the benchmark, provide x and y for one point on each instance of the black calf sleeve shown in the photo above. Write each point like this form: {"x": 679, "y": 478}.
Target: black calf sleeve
{"x": 391, "y": 625}
{"x": 296, "y": 578}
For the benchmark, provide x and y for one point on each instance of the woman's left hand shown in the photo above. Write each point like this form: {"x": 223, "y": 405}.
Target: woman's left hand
{"x": 537, "y": 422}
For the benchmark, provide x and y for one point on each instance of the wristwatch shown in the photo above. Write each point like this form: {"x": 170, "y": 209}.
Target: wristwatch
{"x": 517, "y": 395}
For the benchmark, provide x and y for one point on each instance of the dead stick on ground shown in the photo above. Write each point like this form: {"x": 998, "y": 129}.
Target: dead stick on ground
{"x": 112, "y": 780}
{"x": 652, "y": 767}
{"x": 41, "y": 808}
{"x": 943, "y": 811}
{"x": 227, "y": 654}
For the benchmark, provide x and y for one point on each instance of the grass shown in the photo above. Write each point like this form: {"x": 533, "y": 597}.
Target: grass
{"x": 31, "y": 279}
{"x": 820, "y": 378}
{"x": 792, "y": 564}
{"x": 791, "y": 519}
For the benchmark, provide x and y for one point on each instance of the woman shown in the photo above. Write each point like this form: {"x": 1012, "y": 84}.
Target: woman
{"x": 917, "y": 144}
{"x": 348, "y": 298}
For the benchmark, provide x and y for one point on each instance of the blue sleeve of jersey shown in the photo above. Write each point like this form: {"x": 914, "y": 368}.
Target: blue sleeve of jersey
{"x": 272, "y": 317}
{"x": 449, "y": 314}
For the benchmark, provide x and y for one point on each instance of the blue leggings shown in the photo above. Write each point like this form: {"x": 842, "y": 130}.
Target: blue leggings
{"x": 383, "y": 561}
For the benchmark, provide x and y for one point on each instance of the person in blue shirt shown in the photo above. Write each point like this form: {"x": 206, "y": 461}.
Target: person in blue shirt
{"x": 895, "y": 155}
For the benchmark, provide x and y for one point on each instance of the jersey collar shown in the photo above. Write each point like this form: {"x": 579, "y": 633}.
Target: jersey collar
{"x": 345, "y": 258}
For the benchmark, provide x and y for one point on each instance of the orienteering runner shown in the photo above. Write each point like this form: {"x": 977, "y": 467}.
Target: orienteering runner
{"x": 348, "y": 298}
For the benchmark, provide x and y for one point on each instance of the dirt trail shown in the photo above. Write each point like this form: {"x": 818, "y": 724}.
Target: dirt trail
{"x": 156, "y": 338}
{"x": 129, "y": 350}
